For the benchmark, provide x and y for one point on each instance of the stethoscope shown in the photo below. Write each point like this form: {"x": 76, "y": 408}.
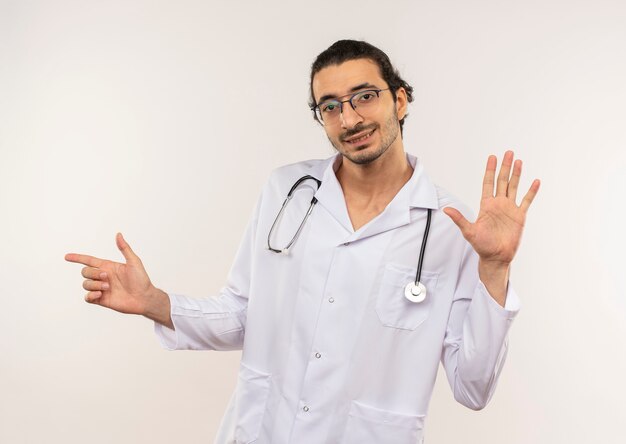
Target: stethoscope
{"x": 414, "y": 291}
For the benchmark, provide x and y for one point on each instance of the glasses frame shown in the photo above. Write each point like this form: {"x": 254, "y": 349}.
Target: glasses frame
{"x": 318, "y": 113}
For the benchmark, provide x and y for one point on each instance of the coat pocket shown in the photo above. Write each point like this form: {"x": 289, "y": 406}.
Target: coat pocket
{"x": 396, "y": 311}
{"x": 252, "y": 393}
{"x": 371, "y": 425}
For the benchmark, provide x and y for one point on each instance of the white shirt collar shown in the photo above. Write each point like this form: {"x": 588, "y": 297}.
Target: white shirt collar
{"x": 418, "y": 192}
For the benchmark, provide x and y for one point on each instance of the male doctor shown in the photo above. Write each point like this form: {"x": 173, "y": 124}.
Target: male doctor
{"x": 345, "y": 302}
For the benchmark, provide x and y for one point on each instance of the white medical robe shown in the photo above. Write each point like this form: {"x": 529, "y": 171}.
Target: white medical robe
{"x": 333, "y": 353}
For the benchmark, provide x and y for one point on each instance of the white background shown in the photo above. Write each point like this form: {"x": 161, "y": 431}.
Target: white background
{"x": 163, "y": 119}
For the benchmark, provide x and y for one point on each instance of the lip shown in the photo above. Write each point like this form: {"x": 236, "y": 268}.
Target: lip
{"x": 352, "y": 139}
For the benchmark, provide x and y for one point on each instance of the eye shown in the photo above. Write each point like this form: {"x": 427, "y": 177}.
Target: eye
{"x": 329, "y": 107}
{"x": 366, "y": 96}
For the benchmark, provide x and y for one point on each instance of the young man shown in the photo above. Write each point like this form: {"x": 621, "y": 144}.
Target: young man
{"x": 342, "y": 333}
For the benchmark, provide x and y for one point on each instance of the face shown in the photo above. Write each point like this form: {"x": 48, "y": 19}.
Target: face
{"x": 360, "y": 139}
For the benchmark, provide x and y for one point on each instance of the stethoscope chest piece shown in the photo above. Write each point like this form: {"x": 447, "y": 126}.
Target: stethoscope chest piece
{"x": 415, "y": 292}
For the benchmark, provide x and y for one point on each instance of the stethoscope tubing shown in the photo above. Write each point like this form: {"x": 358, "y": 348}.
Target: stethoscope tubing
{"x": 420, "y": 262}
{"x": 414, "y": 291}
{"x": 282, "y": 209}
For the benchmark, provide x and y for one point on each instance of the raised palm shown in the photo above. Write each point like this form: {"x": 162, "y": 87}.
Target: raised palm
{"x": 497, "y": 231}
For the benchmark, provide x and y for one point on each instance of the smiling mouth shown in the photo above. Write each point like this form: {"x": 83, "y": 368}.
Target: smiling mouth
{"x": 360, "y": 138}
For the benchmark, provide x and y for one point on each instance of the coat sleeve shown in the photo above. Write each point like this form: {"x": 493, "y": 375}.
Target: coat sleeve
{"x": 475, "y": 343}
{"x": 218, "y": 322}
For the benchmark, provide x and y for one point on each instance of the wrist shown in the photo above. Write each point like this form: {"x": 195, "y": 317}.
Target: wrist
{"x": 493, "y": 268}
{"x": 157, "y": 306}
{"x": 495, "y": 276}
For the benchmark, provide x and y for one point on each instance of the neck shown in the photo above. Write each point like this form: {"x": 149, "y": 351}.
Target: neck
{"x": 385, "y": 175}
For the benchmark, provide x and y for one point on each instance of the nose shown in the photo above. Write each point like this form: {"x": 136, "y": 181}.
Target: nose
{"x": 349, "y": 117}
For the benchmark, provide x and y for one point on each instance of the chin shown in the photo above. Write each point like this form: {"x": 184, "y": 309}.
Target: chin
{"x": 364, "y": 155}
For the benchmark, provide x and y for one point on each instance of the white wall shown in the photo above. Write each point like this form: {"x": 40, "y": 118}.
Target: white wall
{"x": 162, "y": 120}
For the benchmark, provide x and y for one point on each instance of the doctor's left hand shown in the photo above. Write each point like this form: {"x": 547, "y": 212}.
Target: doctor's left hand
{"x": 497, "y": 232}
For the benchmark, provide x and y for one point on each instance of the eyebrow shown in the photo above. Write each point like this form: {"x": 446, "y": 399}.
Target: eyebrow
{"x": 353, "y": 89}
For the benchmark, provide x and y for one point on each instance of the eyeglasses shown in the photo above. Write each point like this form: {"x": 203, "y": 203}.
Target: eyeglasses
{"x": 366, "y": 102}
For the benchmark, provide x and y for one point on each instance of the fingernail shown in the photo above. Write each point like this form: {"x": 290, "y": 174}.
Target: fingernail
{"x": 103, "y": 275}
{"x": 105, "y": 286}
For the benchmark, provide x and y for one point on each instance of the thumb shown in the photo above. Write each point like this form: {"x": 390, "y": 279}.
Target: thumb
{"x": 460, "y": 221}
{"x": 123, "y": 246}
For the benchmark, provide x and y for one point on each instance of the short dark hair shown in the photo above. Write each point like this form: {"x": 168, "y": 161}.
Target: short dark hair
{"x": 344, "y": 50}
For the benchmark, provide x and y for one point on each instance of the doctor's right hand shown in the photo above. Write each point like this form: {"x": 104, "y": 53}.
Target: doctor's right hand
{"x": 123, "y": 287}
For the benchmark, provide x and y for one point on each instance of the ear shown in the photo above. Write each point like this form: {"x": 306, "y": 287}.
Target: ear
{"x": 401, "y": 103}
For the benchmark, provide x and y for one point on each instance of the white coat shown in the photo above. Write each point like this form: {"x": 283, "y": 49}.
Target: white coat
{"x": 333, "y": 353}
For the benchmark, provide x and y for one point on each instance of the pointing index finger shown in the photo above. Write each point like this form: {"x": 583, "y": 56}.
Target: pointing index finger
{"x": 83, "y": 259}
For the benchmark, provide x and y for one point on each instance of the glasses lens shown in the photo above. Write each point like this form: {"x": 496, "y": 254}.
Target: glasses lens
{"x": 364, "y": 100}
{"x": 328, "y": 112}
